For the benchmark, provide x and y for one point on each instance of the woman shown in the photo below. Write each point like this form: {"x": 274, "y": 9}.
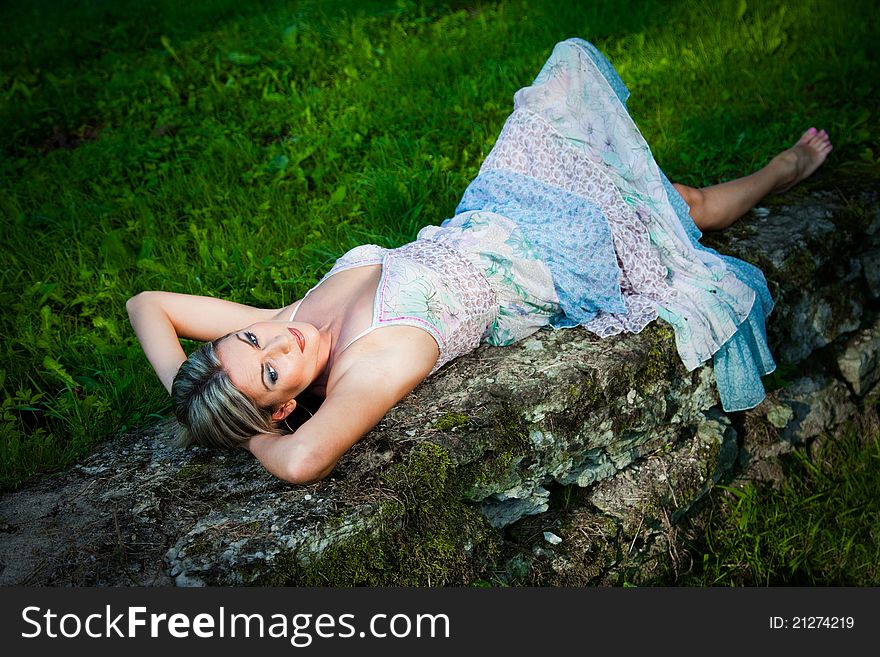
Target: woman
{"x": 570, "y": 222}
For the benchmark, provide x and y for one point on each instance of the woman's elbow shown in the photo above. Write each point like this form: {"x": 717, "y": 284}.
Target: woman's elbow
{"x": 306, "y": 471}
{"x": 137, "y": 302}
{"x": 132, "y": 303}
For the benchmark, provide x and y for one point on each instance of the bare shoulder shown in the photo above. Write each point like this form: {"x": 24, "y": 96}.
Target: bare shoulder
{"x": 373, "y": 375}
{"x": 391, "y": 360}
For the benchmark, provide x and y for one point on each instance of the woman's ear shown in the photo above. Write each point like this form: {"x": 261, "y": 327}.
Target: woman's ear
{"x": 284, "y": 410}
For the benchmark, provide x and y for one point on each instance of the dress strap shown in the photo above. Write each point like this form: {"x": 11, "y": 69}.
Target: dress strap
{"x": 367, "y": 330}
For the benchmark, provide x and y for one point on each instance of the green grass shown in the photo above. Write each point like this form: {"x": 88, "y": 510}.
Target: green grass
{"x": 821, "y": 527}
{"x": 235, "y": 149}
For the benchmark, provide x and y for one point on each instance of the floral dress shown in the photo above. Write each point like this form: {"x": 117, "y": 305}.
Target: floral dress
{"x": 571, "y": 222}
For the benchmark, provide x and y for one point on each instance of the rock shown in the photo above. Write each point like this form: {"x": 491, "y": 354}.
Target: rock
{"x": 669, "y": 481}
{"x": 779, "y": 415}
{"x": 508, "y": 506}
{"x": 871, "y": 267}
{"x": 818, "y": 405}
{"x": 795, "y": 415}
{"x": 461, "y": 480}
{"x": 858, "y": 359}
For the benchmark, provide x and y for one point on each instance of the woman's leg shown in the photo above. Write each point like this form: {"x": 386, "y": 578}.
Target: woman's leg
{"x": 718, "y": 206}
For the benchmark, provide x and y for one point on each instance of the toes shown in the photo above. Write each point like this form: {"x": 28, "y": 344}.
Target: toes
{"x": 807, "y": 136}
{"x": 815, "y": 138}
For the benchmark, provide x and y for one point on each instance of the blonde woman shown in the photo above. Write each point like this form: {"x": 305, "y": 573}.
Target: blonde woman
{"x": 570, "y": 222}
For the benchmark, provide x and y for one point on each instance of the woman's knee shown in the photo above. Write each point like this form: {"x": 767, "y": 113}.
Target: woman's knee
{"x": 696, "y": 201}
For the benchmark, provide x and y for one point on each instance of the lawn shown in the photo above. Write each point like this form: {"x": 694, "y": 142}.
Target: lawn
{"x": 236, "y": 149}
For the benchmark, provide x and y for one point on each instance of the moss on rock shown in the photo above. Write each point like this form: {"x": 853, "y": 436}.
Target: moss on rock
{"x": 423, "y": 534}
{"x": 508, "y": 446}
{"x": 450, "y": 421}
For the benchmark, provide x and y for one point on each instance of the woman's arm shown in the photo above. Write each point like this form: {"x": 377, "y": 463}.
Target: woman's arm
{"x": 160, "y": 319}
{"x": 354, "y": 405}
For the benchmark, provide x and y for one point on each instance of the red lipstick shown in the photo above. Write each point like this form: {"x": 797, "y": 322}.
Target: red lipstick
{"x": 300, "y": 340}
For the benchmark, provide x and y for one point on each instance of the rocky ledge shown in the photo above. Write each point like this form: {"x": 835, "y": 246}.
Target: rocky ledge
{"x": 467, "y": 479}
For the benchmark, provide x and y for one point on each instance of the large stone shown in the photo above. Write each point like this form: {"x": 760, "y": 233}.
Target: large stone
{"x": 435, "y": 492}
{"x": 871, "y": 267}
{"x": 818, "y": 404}
{"x": 793, "y": 416}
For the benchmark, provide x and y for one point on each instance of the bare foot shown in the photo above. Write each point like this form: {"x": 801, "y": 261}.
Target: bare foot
{"x": 802, "y": 159}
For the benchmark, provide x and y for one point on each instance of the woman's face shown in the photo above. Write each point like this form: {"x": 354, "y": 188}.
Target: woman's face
{"x": 271, "y": 362}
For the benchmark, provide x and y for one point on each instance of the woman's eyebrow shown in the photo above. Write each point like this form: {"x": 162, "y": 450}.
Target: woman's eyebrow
{"x": 262, "y": 369}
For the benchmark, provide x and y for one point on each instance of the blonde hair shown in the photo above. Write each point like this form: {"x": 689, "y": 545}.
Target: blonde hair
{"x": 210, "y": 410}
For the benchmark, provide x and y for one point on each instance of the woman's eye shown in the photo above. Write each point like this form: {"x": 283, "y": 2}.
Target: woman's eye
{"x": 252, "y": 338}
{"x": 273, "y": 375}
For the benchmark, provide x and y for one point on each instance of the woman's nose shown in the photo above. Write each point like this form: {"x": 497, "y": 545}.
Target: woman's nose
{"x": 280, "y": 345}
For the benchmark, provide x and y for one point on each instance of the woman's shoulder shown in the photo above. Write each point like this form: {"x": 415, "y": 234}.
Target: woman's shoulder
{"x": 387, "y": 356}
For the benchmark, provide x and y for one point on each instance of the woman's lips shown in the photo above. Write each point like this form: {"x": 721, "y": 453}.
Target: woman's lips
{"x": 300, "y": 340}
